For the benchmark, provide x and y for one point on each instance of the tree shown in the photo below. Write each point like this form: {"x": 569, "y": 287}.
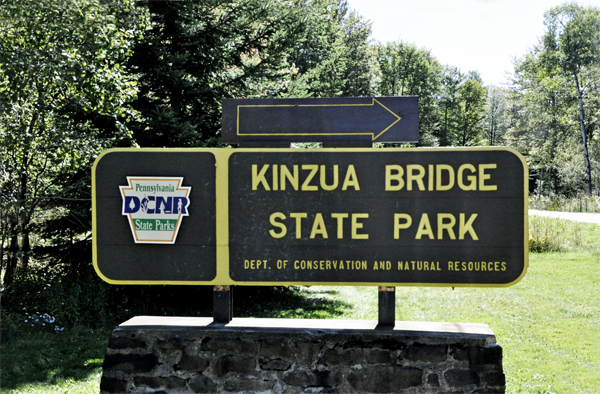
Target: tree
{"x": 409, "y": 71}
{"x": 63, "y": 98}
{"x": 572, "y": 43}
{"x": 197, "y": 53}
{"x": 496, "y": 116}
{"x": 472, "y": 99}
{"x": 461, "y": 108}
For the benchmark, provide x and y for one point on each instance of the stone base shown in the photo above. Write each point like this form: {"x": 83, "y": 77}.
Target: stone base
{"x": 193, "y": 355}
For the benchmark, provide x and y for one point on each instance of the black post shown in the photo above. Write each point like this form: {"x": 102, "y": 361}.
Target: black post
{"x": 387, "y": 308}
{"x": 222, "y": 305}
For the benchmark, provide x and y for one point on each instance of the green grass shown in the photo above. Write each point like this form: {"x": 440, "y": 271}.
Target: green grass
{"x": 548, "y": 324}
{"x": 53, "y": 362}
{"x": 551, "y": 234}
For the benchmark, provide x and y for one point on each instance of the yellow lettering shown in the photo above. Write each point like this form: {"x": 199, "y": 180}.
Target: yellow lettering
{"x": 313, "y": 170}
{"x": 324, "y": 184}
{"x": 340, "y": 223}
{"x": 351, "y": 179}
{"x": 430, "y": 178}
{"x": 438, "y": 177}
{"x": 483, "y": 177}
{"x": 424, "y": 228}
{"x": 356, "y": 225}
{"x": 411, "y": 176}
{"x": 471, "y": 178}
{"x": 286, "y": 174}
{"x": 259, "y": 177}
{"x": 397, "y": 176}
{"x": 445, "y": 226}
{"x": 272, "y": 219}
{"x": 400, "y": 226}
{"x": 298, "y": 216}
{"x": 467, "y": 227}
{"x": 318, "y": 227}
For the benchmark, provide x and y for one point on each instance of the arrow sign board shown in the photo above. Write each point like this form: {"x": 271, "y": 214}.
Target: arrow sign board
{"x": 389, "y": 217}
{"x": 362, "y": 119}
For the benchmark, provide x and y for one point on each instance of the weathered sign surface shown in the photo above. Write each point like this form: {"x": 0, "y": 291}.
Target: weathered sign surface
{"x": 372, "y": 119}
{"x": 454, "y": 217}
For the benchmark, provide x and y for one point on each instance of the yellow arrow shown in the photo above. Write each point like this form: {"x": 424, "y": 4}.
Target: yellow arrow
{"x": 284, "y": 120}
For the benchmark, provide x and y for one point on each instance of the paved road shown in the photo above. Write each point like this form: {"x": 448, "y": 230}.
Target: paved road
{"x": 573, "y": 216}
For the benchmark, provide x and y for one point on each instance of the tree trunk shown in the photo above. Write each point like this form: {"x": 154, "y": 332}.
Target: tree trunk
{"x": 26, "y": 248}
{"x": 11, "y": 264}
{"x": 585, "y": 147}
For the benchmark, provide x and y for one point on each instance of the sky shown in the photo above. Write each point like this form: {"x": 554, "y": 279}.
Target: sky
{"x": 482, "y": 35}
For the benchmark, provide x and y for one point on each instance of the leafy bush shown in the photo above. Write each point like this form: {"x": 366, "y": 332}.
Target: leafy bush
{"x": 550, "y": 234}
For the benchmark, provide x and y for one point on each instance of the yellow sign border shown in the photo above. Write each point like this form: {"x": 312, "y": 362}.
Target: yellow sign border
{"x": 222, "y": 217}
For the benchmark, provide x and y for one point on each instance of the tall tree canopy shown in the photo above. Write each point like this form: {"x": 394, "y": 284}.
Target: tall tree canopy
{"x": 556, "y": 88}
{"x": 63, "y": 99}
{"x": 199, "y": 52}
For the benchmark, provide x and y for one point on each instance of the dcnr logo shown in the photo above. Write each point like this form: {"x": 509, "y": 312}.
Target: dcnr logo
{"x": 155, "y": 207}
{"x": 149, "y": 204}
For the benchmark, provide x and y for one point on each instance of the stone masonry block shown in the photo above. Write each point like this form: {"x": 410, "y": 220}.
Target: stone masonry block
{"x": 227, "y": 364}
{"x": 191, "y": 363}
{"x": 169, "y": 383}
{"x": 130, "y": 363}
{"x": 461, "y": 377}
{"x": 312, "y": 379}
{"x": 379, "y": 356}
{"x": 341, "y": 357}
{"x": 248, "y": 385}
{"x": 226, "y": 345}
{"x": 275, "y": 365}
{"x": 495, "y": 379}
{"x": 126, "y": 342}
{"x": 433, "y": 380}
{"x": 191, "y": 355}
{"x": 384, "y": 379}
{"x": 487, "y": 355}
{"x": 425, "y": 353}
{"x": 170, "y": 345}
{"x": 111, "y": 385}
{"x": 277, "y": 350}
{"x": 202, "y": 384}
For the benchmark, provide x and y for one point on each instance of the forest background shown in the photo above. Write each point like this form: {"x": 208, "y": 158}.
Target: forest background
{"x": 81, "y": 76}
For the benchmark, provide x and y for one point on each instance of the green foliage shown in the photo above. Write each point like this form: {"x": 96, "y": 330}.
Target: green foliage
{"x": 63, "y": 99}
{"x": 497, "y": 119}
{"x": 578, "y": 203}
{"x": 549, "y": 234}
{"x": 451, "y": 104}
{"x": 555, "y": 96}
{"x": 198, "y": 53}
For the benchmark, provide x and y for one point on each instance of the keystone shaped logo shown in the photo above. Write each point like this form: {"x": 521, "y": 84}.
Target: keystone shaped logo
{"x": 154, "y": 207}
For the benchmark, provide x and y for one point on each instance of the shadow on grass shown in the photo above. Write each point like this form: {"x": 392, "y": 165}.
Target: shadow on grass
{"x": 286, "y": 302}
{"x": 49, "y": 357}
{"x": 38, "y": 355}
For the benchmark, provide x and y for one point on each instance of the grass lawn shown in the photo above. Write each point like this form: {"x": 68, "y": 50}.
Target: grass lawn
{"x": 53, "y": 362}
{"x": 548, "y": 325}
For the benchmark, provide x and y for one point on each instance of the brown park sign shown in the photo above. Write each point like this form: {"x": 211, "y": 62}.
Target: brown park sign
{"x": 388, "y": 217}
